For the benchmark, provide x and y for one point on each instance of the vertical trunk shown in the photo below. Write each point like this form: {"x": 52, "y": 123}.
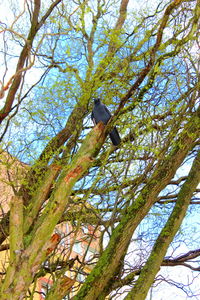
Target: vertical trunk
{"x": 38, "y": 244}
{"x": 152, "y": 266}
{"x": 111, "y": 258}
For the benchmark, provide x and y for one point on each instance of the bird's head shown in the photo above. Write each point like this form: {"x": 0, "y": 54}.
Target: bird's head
{"x": 97, "y": 100}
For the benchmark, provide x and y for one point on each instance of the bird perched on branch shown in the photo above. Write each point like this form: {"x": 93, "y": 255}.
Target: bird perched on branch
{"x": 101, "y": 113}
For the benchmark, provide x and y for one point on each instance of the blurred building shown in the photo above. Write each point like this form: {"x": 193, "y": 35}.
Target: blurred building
{"x": 77, "y": 251}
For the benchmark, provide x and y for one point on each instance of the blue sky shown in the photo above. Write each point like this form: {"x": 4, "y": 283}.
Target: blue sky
{"x": 163, "y": 291}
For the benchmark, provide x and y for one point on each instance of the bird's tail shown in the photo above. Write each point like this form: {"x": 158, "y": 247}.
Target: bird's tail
{"x": 114, "y": 136}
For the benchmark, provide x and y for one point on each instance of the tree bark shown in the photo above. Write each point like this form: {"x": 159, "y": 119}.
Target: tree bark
{"x": 38, "y": 244}
{"x": 105, "y": 270}
{"x": 152, "y": 266}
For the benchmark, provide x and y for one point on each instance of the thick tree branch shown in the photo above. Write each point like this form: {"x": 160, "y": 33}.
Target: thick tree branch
{"x": 38, "y": 244}
{"x": 16, "y": 228}
{"x": 167, "y": 234}
{"x": 173, "y": 262}
{"x": 111, "y": 257}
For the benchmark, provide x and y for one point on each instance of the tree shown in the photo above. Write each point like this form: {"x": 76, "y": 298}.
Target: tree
{"x": 143, "y": 65}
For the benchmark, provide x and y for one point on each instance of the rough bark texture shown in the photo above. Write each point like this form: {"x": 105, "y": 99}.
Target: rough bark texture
{"x": 62, "y": 287}
{"x": 38, "y": 244}
{"x": 144, "y": 71}
{"x": 152, "y": 266}
{"x": 107, "y": 265}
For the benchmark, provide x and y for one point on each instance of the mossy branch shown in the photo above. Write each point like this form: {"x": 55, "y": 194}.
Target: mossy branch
{"x": 152, "y": 266}
{"x": 106, "y": 267}
{"x": 16, "y": 228}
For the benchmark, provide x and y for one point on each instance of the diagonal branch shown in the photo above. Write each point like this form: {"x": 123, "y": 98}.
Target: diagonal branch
{"x": 38, "y": 244}
{"x": 17, "y": 77}
{"x": 167, "y": 234}
{"x": 152, "y": 54}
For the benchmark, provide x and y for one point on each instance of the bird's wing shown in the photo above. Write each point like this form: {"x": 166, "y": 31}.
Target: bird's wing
{"x": 107, "y": 110}
{"x": 93, "y": 119}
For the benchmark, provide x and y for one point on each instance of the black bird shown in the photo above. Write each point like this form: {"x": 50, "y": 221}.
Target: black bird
{"x": 101, "y": 113}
